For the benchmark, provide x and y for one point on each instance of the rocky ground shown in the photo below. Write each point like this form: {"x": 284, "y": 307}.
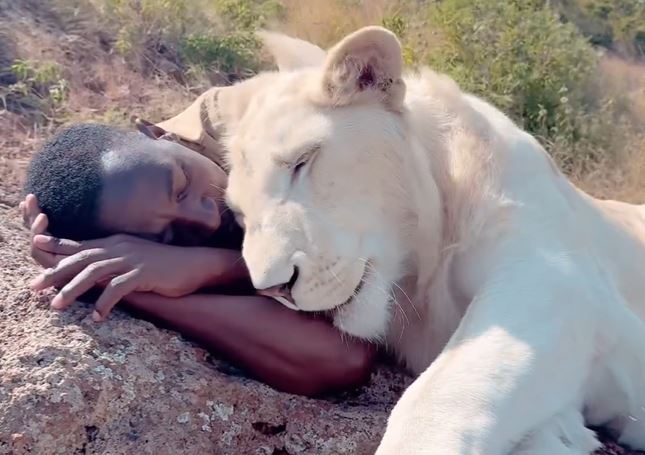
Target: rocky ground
{"x": 69, "y": 386}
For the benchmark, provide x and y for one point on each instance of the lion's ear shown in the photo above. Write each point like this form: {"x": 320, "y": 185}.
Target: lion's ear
{"x": 366, "y": 63}
{"x": 291, "y": 53}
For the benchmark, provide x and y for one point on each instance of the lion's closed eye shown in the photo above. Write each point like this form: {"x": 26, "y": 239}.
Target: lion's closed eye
{"x": 305, "y": 160}
{"x": 300, "y": 165}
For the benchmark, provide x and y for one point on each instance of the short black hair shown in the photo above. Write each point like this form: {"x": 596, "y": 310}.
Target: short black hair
{"x": 66, "y": 176}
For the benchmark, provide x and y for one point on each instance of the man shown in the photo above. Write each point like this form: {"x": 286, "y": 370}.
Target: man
{"x": 143, "y": 218}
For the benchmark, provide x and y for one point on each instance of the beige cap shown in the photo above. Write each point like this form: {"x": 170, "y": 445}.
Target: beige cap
{"x": 199, "y": 126}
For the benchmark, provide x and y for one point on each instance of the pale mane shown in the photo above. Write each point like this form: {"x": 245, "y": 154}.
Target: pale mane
{"x": 466, "y": 155}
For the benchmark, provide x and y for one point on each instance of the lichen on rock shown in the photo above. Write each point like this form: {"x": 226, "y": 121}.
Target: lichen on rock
{"x": 68, "y": 385}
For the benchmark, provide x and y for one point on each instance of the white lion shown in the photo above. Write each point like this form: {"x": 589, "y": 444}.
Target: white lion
{"x": 421, "y": 217}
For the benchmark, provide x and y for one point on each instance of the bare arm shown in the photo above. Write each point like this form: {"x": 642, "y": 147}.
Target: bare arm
{"x": 293, "y": 352}
{"x": 290, "y": 351}
{"x": 123, "y": 264}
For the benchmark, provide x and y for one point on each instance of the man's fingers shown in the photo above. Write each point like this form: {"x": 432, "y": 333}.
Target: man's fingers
{"x": 59, "y": 246}
{"x": 68, "y": 247}
{"x": 115, "y": 290}
{"x": 68, "y": 268}
{"x": 31, "y": 205}
{"x": 31, "y": 208}
{"x": 44, "y": 258}
{"x": 39, "y": 225}
{"x": 23, "y": 213}
{"x": 86, "y": 280}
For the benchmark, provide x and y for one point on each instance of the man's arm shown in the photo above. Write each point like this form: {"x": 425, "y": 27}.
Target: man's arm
{"x": 123, "y": 264}
{"x": 291, "y": 351}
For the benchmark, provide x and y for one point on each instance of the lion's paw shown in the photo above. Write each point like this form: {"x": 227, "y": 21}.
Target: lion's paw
{"x": 564, "y": 434}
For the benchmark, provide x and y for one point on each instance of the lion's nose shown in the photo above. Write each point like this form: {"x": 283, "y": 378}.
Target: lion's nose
{"x": 282, "y": 291}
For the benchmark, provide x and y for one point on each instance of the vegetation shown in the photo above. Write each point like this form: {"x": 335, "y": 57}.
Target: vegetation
{"x": 545, "y": 63}
{"x": 37, "y": 85}
{"x": 541, "y": 71}
{"x": 615, "y": 24}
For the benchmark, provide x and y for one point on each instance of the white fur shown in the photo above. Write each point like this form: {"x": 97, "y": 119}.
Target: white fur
{"x": 516, "y": 298}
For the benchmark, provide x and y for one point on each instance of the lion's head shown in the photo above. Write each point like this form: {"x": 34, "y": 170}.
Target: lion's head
{"x": 322, "y": 179}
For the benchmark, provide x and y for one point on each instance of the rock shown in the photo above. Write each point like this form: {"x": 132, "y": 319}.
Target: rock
{"x": 70, "y": 386}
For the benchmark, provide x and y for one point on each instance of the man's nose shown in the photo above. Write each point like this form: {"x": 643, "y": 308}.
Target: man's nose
{"x": 204, "y": 212}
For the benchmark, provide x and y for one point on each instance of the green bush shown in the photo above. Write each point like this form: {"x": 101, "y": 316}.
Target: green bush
{"x": 399, "y": 26}
{"x": 39, "y": 91}
{"x": 518, "y": 55}
{"x": 233, "y": 50}
{"x": 248, "y": 14}
{"x": 616, "y": 24}
{"x": 232, "y": 54}
{"x": 525, "y": 56}
{"x": 204, "y": 36}
{"x": 141, "y": 21}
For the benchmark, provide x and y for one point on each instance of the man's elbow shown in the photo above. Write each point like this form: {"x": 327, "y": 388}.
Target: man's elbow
{"x": 358, "y": 364}
{"x": 349, "y": 368}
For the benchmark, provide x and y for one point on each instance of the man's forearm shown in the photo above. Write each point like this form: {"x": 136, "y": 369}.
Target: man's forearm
{"x": 290, "y": 351}
{"x": 218, "y": 266}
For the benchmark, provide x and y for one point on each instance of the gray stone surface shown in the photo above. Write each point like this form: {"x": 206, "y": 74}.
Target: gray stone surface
{"x": 68, "y": 385}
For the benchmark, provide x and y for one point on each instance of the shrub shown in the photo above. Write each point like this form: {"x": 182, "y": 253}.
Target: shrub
{"x": 616, "y": 24}
{"x": 137, "y": 22}
{"x": 518, "y": 55}
{"x": 204, "y": 37}
{"x": 231, "y": 54}
{"x": 39, "y": 89}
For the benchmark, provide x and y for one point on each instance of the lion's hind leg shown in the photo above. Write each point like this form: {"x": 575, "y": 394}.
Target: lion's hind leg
{"x": 563, "y": 434}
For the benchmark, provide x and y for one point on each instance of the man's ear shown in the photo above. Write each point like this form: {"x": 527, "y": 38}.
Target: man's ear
{"x": 366, "y": 64}
{"x": 149, "y": 129}
{"x": 291, "y": 53}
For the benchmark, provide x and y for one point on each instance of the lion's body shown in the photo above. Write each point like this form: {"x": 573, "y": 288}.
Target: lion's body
{"x": 432, "y": 223}
{"x": 520, "y": 190}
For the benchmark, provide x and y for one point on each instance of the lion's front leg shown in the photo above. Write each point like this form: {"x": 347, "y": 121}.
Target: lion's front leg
{"x": 520, "y": 356}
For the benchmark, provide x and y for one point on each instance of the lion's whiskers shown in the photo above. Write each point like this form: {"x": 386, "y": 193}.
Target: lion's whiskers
{"x": 408, "y": 299}
{"x": 217, "y": 187}
{"x": 391, "y": 295}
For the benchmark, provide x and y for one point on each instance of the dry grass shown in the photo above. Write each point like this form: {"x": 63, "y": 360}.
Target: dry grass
{"x": 101, "y": 85}
{"x": 620, "y": 175}
{"x": 628, "y": 78}
{"x": 106, "y": 88}
{"x": 623, "y": 178}
{"x": 325, "y": 21}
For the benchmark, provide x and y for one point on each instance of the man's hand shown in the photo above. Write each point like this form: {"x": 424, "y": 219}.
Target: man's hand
{"x": 124, "y": 264}
{"x": 36, "y": 221}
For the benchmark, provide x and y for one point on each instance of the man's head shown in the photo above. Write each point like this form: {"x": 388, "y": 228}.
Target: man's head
{"x": 93, "y": 180}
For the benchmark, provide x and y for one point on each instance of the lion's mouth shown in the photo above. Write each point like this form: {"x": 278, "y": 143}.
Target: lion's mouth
{"x": 357, "y": 290}
{"x": 289, "y": 303}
